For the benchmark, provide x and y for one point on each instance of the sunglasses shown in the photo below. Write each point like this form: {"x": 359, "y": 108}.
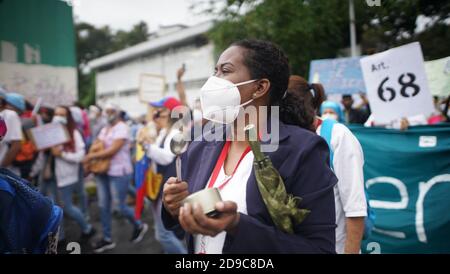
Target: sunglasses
{"x": 158, "y": 114}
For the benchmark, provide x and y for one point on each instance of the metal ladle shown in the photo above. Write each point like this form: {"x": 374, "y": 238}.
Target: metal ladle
{"x": 178, "y": 146}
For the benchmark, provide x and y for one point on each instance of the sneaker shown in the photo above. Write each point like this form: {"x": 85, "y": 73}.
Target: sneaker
{"x": 86, "y": 236}
{"x": 103, "y": 245}
{"x": 138, "y": 233}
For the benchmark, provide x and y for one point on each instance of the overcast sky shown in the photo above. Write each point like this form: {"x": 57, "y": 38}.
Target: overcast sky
{"x": 123, "y": 14}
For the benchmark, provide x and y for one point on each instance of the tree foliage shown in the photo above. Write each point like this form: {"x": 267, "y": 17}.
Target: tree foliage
{"x": 316, "y": 29}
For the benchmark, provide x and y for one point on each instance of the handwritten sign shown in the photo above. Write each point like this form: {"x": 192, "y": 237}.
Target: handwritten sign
{"x": 49, "y": 135}
{"x": 396, "y": 83}
{"x": 151, "y": 87}
{"x": 340, "y": 76}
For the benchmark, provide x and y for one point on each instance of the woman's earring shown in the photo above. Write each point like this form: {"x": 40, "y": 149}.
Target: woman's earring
{"x": 254, "y": 95}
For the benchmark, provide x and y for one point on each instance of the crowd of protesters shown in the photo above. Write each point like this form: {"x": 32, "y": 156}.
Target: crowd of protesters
{"x": 106, "y": 134}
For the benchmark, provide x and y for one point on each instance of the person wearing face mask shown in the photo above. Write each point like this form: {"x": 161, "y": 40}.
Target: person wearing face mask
{"x": 162, "y": 161}
{"x": 252, "y": 73}
{"x": 97, "y": 120}
{"x": 115, "y": 137}
{"x": 346, "y": 159}
{"x": 67, "y": 159}
{"x": 331, "y": 110}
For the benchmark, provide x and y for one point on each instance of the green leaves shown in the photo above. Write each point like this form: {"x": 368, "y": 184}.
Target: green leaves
{"x": 317, "y": 29}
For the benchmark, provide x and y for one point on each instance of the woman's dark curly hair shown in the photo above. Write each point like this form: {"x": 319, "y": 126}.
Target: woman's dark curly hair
{"x": 309, "y": 97}
{"x": 266, "y": 60}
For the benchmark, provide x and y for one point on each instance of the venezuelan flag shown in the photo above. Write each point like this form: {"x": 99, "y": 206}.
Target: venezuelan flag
{"x": 141, "y": 170}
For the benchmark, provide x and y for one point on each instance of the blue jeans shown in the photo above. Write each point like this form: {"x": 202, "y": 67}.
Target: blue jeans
{"x": 48, "y": 188}
{"x": 71, "y": 210}
{"x": 113, "y": 189}
{"x": 170, "y": 243}
{"x": 81, "y": 192}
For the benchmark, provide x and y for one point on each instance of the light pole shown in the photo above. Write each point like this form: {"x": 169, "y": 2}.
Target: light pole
{"x": 351, "y": 10}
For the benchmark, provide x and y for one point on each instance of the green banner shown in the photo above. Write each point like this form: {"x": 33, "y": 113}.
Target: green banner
{"x": 37, "y": 31}
{"x": 37, "y": 50}
{"x": 407, "y": 176}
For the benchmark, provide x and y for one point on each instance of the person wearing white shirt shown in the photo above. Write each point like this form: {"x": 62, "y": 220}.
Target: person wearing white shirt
{"x": 67, "y": 164}
{"x": 163, "y": 162}
{"x": 11, "y": 143}
{"x": 350, "y": 199}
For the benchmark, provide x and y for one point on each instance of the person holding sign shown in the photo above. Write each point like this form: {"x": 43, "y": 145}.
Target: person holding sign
{"x": 68, "y": 157}
{"x": 397, "y": 87}
{"x": 356, "y": 115}
{"x": 253, "y": 73}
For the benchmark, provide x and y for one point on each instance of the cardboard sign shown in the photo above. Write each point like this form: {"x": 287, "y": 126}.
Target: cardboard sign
{"x": 396, "y": 83}
{"x": 340, "y": 76}
{"x": 151, "y": 87}
{"x": 49, "y": 135}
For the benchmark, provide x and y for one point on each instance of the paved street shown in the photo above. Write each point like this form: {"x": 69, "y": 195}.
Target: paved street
{"x": 121, "y": 230}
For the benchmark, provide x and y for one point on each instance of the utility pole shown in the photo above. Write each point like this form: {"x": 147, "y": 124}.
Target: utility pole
{"x": 351, "y": 8}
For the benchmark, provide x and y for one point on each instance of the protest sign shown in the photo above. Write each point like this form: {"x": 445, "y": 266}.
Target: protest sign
{"x": 396, "y": 83}
{"x": 151, "y": 88}
{"x": 49, "y": 135}
{"x": 338, "y": 76}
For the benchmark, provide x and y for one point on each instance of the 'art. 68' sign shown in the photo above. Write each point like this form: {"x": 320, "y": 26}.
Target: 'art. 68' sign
{"x": 396, "y": 83}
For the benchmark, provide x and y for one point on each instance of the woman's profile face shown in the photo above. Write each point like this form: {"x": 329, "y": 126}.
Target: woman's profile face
{"x": 231, "y": 67}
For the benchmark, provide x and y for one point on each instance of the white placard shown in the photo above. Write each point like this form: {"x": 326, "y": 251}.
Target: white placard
{"x": 49, "y": 135}
{"x": 151, "y": 87}
{"x": 396, "y": 83}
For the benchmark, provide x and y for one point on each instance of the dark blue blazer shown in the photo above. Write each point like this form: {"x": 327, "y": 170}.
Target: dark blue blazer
{"x": 302, "y": 161}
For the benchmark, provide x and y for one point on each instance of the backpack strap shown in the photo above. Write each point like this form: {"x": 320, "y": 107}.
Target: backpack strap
{"x": 325, "y": 131}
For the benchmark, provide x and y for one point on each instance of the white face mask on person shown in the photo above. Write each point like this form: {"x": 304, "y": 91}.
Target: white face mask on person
{"x": 59, "y": 119}
{"x": 221, "y": 100}
{"x": 111, "y": 118}
{"x": 329, "y": 116}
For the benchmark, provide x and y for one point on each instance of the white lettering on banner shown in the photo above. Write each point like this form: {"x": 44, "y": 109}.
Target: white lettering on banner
{"x": 402, "y": 204}
{"x": 424, "y": 187}
{"x": 396, "y": 83}
{"x": 390, "y": 233}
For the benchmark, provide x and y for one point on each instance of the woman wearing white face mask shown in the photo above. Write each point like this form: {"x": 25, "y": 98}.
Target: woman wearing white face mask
{"x": 66, "y": 169}
{"x": 112, "y": 187}
{"x": 252, "y": 73}
{"x": 331, "y": 110}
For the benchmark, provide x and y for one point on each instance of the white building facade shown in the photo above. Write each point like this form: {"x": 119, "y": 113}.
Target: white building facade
{"x": 118, "y": 74}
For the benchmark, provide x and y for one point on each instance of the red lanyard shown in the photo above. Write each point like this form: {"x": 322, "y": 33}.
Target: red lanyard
{"x": 220, "y": 163}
